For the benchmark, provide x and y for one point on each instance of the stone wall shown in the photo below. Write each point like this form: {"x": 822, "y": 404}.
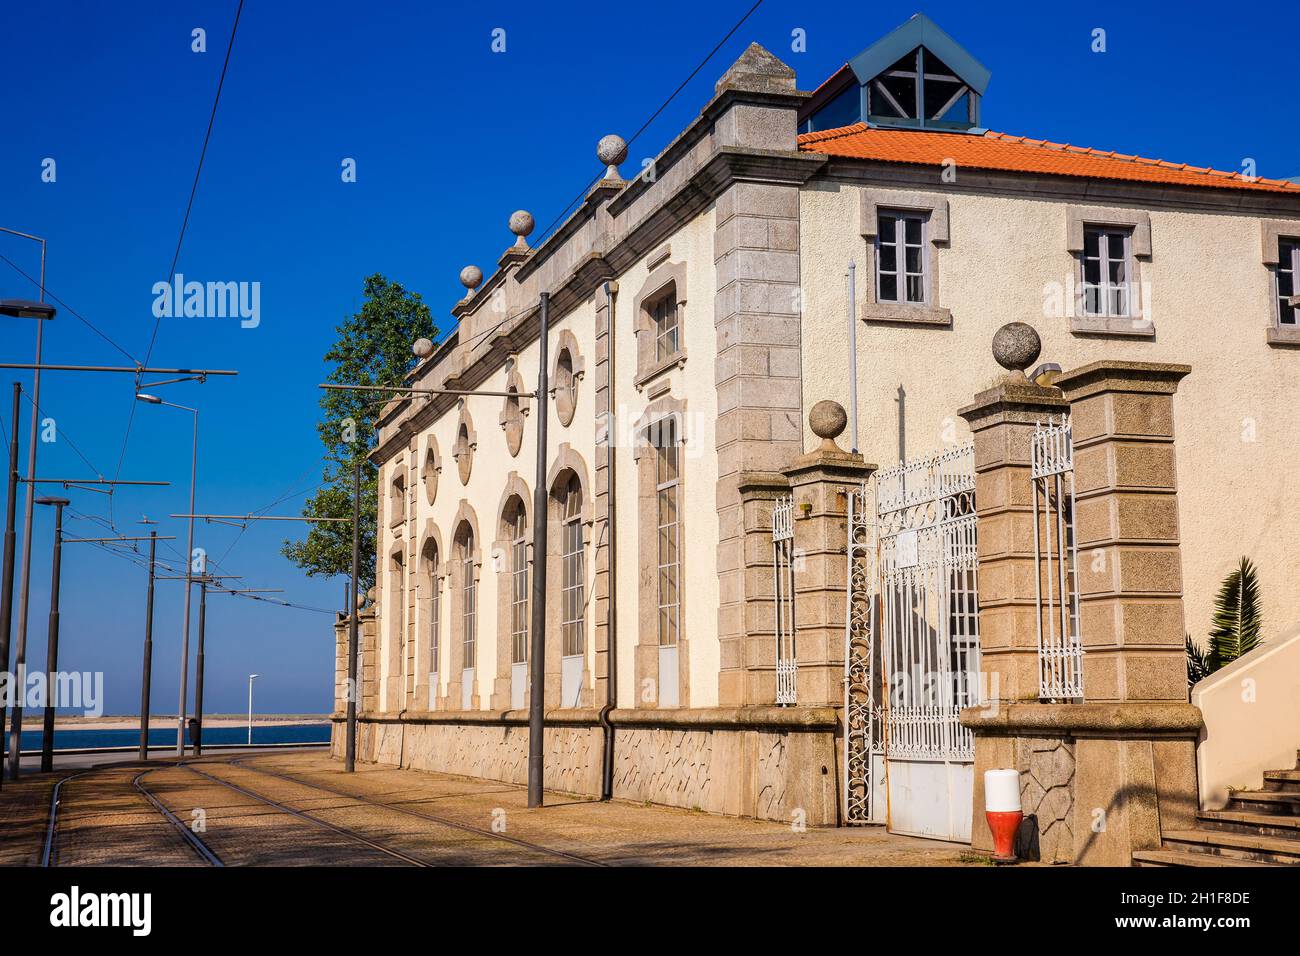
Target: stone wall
{"x": 772, "y": 764}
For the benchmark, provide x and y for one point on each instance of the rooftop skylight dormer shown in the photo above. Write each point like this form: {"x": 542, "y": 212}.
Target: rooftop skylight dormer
{"x": 916, "y": 77}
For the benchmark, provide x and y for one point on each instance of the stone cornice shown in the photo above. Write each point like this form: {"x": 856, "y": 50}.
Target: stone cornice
{"x": 725, "y": 167}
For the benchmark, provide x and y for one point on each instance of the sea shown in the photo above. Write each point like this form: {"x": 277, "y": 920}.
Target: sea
{"x": 286, "y": 733}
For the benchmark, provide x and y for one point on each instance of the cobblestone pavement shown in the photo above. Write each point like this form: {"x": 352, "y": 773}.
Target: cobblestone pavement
{"x": 299, "y": 808}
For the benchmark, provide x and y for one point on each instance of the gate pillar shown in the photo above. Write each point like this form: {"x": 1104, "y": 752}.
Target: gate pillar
{"x": 1002, "y": 421}
{"x": 1098, "y": 779}
{"x": 820, "y": 482}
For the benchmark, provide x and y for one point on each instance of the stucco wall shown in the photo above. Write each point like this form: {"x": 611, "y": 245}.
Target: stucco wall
{"x": 693, "y": 383}
{"x": 1209, "y": 297}
{"x": 492, "y": 464}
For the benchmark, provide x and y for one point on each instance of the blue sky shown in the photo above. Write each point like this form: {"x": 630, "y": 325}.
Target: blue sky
{"x": 448, "y": 138}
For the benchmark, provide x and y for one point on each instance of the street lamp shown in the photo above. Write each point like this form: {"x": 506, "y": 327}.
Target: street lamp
{"x": 52, "y": 648}
{"x": 251, "y": 678}
{"x": 189, "y": 565}
{"x": 23, "y": 309}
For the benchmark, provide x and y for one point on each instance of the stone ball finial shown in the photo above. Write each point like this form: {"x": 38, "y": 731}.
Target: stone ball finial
{"x": 471, "y": 277}
{"x": 521, "y": 224}
{"x": 611, "y": 150}
{"x": 1016, "y": 346}
{"x": 827, "y": 420}
{"x": 422, "y": 348}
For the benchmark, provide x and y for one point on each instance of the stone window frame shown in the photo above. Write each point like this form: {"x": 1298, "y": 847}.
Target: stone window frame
{"x": 515, "y": 487}
{"x": 395, "y": 635}
{"x": 465, "y": 520}
{"x": 935, "y": 208}
{"x": 1272, "y": 232}
{"x": 646, "y": 652}
{"x": 567, "y": 462}
{"x": 430, "y": 469}
{"x": 397, "y": 493}
{"x": 566, "y": 399}
{"x": 1138, "y": 222}
{"x": 667, "y": 278}
{"x": 514, "y": 410}
{"x": 429, "y": 606}
{"x": 463, "y": 449}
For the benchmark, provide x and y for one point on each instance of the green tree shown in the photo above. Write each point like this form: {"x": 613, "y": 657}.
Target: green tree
{"x": 373, "y": 348}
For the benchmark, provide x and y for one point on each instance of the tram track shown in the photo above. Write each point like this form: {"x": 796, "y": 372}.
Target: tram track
{"x": 430, "y": 817}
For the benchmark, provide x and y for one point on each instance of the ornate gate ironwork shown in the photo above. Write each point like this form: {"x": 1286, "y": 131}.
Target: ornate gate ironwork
{"x": 912, "y": 634}
{"x": 1060, "y": 648}
{"x": 783, "y": 561}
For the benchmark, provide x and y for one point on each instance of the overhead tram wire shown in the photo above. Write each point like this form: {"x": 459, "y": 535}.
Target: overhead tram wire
{"x": 71, "y": 311}
{"x": 185, "y": 221}
{"x": 635, "y": 136}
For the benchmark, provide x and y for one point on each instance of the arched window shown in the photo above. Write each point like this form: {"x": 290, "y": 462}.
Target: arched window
{"x": 469, "y": 603}
{"x": 517, "y": 529}
{"x": 667, "y": 505}
{"x": 573, "y": 572}
{"x": 435, "y": 623}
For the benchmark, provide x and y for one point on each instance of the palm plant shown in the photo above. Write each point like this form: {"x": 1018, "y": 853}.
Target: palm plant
{"x": 1237, "y": 624}
{"x": 1238, "y": 621}
{"x": 1198, "y": 663}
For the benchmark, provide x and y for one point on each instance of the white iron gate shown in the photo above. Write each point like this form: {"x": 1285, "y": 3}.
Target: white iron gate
{"x": 912, "y": 647}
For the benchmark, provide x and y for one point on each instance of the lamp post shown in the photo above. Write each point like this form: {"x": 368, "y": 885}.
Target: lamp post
{"x": 52, "y": 648}
{"x": 189, "y": 566}
{"x": 251, "y": 678}
{"x": 26, "y": 309}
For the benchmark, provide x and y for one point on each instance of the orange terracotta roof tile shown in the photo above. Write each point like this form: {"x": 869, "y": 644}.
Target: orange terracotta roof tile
{"x": 1001, "y": 151}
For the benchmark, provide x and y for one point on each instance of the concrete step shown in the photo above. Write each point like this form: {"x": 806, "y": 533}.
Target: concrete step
{"x": 1241, "y": 846}
{"x": 1180, "y": 858}
{"x": 1264, "y": 801}
{"x": 1259, "y": 824}
{"x": 1282, "y": 781}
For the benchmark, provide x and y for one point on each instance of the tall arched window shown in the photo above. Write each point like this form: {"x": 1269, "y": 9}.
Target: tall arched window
{"x": 667, "y": 504}
{"x": 469, "y": 606}
{"x": 435, "y": 623}
{"x": 518, "y": 531}
{"x": 573, "y": 572}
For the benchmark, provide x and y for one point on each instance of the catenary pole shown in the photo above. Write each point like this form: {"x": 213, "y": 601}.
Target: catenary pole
{"x": 7, "y": 585}
{"x": 147, "y": 672}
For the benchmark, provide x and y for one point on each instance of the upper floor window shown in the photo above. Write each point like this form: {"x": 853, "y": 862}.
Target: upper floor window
{"x": 1288, "y": 269}
{"x": 573, "y": 571}
{"x": 666, "y": 329}
{"x": 1107, "y": 272}
{"x": 900, "y": 258}
{"x": 435, "y": 622}
{"x": 397, "y": 499}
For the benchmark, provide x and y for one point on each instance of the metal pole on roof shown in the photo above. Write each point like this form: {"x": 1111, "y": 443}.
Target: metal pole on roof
{"x": 853, "y": 356}
{"x": 537, "y": 655}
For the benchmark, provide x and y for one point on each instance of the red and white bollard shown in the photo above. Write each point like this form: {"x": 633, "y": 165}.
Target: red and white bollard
{"x": 1003, "y": 812}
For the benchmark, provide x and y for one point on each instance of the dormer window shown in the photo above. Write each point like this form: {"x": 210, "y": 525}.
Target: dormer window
{"x": 917, "y": 77}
